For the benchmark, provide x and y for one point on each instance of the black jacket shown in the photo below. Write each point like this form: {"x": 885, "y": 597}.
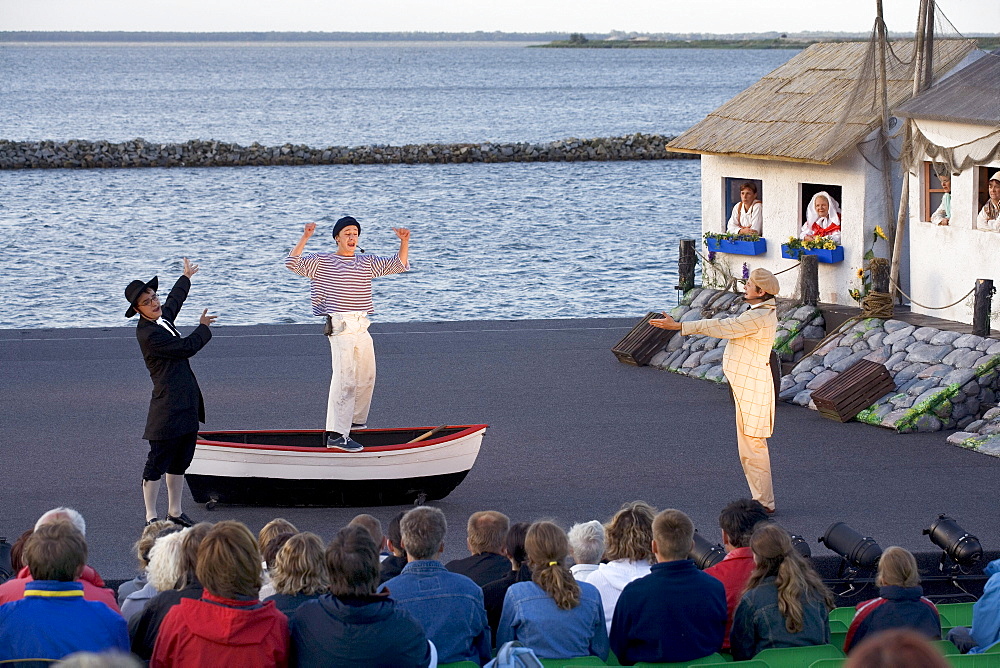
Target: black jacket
{"x": 176, "y": 406}
{"x": 495, "y": 592}
{"x": 356, "y": 631}
{"x": 481, "y": 568}
{"x": 145, "y": 626}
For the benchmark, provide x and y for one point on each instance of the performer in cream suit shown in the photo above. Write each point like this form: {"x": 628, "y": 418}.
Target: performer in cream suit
{"x": 746, "y": 365}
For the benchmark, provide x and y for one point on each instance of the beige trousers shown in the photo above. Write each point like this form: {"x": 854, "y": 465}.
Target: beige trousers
{"x": 352, "y": 354}
{"x": 756, "y": 461}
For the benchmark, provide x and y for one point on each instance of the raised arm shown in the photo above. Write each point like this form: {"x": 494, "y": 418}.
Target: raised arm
{"x": 404, "y": 243}
{"x": 307, "y": 232}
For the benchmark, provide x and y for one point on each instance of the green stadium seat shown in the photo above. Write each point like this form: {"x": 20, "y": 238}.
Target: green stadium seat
{"x": 955, "y": 614}
{"x": 710, "y": 659}
{"x": 828, "y": 663}
{"x": 752, "y": 663}
{"x": 972, "y": 661}
{"x": 797, "y": 657}
{"x": 459, "y": 664}
{"x": 845, "y": 615}
{"x": 995, "y": 649}
{"x": 945, "y": 646}
{"x": 578, "y": 662}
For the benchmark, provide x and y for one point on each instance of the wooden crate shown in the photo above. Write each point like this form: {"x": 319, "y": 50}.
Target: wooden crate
{"x": 854, "y": 390}
{"x": 644, "y": 341}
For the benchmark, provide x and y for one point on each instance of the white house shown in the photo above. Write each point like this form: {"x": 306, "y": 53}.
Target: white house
{"x": 956, "y": 126}
{"x": 810, "y": 125}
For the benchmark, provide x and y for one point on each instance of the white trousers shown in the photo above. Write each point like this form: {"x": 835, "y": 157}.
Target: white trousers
{"x": 756, "y": 462}
{"x": 353, "y": 381}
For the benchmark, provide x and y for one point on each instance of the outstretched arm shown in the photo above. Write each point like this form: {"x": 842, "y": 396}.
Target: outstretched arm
{"x": 666, "y": 322}
{"x": 307, "y": 232}
{"x": 404, "y": 243}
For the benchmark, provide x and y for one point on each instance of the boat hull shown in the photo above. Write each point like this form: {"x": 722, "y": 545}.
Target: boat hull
{"x": 292, "y": 468}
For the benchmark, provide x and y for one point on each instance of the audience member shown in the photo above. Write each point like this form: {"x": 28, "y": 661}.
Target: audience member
{"x": 268, "y": 555}
{"x": 299, "y": 573}
{"x": 448, "y": 605}
{"x": 901, "y": 603}
{"x": 786, "y": 603}
{"x": 985, "y": 631}
{"x": 352, "y": 625}
{"x": 228, "y": 626}
{"x": 17, "y": 550}
{"x": 102, "y": 660}
{"x": 898, "y": 648}
{"x": 553, "y": 614}
{"x": 393, "y": 565}
{"x": 486, "y": 529}
{"x": 145, "y": 626}
{"x": 677, "y": 612}
{"x": 989, "y": 215}
{"x": 494, "y": 592}
{"x": 586, "y": 546}
{"x": 269, "y": 531}
{"x": 737, "y": 522}
{"x": 53, "y": 619}
{"x": 165, "y": 569}
{"x": 629, "y": 536}
{"x": 142, "y": 546}
{"x": 93, "y": 585}
{"x": 374, "y": 527}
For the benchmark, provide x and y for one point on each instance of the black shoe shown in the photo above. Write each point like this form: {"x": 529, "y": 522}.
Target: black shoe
{"x": 345, "y": 443}
{"x": 155, "y": 519}
{"x": 183, "y": 520}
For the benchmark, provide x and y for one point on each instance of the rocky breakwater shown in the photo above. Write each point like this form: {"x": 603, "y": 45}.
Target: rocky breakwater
{"x": 701, "y": 356}
{"x": 944, "y": 380}
{"x": 982, "y": 435}
{"x": 78, "y": 154}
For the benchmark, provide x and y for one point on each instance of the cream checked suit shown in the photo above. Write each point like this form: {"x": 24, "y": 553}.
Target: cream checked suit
{"x": 746, "y": 365}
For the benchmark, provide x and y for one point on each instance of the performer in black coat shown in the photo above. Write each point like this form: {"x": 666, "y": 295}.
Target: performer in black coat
{"x": 176, "y": 406}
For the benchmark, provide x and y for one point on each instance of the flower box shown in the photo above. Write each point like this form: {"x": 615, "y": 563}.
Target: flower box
{"x": 740, "y": 247}
{"x": 827, "y": 255}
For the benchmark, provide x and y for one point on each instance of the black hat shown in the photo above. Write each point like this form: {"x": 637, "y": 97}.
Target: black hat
{"x": 344, "y": 222}
{"x": 135, "y": 290}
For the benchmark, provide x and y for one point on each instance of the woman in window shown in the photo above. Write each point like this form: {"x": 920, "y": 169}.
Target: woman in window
{"x": 822, "y": 218}
{"x": 989, "y": 215}
{"x": 746, "y": 217}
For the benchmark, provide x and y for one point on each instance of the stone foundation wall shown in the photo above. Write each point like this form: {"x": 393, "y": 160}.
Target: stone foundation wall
{"x": 78, "y": 154}
{"x": 982, "y": 435}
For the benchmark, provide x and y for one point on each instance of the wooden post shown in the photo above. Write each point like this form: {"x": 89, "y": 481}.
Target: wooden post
{"x": 879, "y": 268}
{"x": 981, "y": 308}
{"x": 809, "y": 280}
{"x": 685, "y": 265}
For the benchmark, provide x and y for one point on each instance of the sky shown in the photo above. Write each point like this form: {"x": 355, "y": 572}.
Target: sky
{"x": 595, "y": 16}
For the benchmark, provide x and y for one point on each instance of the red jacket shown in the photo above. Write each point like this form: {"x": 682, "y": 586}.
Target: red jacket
{"x": 215, "y": 631}
{"x": 93, "y": 588}
{"x": 733, "y": 572}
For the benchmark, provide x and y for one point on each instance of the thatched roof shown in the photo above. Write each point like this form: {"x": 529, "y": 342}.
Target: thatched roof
{"x": 795, "y": 113}
{"x": 971, "y": 95}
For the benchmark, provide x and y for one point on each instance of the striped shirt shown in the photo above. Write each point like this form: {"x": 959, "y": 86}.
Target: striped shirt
{"x": 342, "y": 284}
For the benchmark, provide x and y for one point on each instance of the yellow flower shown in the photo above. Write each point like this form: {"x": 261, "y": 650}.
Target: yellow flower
{"x": 879, "y": 232}
{"x": 861, "y": 273}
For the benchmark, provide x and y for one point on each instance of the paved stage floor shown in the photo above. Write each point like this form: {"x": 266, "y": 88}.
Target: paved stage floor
{"x": 574, "y": 433}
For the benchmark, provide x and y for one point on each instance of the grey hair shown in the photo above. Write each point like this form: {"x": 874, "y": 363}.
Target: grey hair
{"x": 586, "y": 542}
{"x": 166, "y": 561}
{"x": 423, "y": 530}
{"x": 62, "y": 513}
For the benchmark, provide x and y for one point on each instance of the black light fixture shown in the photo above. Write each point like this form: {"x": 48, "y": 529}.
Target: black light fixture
{"x": 957, "y": 544}
{"x": 704, "y": 553}
{"x": 858, "y": 552}
{"x": 801, "y": 546}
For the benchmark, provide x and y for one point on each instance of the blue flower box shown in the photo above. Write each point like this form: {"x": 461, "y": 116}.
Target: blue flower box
{"x": 822, "y": 254}
{"x": 740, "y": 247}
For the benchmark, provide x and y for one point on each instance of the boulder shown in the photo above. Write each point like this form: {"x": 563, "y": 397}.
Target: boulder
{"x": 925, "y": 333}
{"x": 925, "y": 352}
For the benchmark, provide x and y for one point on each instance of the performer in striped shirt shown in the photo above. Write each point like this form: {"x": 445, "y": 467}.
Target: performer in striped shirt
{"x": 342, "y": 291}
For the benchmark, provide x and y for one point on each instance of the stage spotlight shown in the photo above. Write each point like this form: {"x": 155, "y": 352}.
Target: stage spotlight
{"x": 704, "y": 554}
{"x": 801, "y": 546}
{"x": 960, "y": 546}
{"x": 859, "y": 552}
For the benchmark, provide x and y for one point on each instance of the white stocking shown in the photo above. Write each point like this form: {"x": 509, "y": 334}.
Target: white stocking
{"x": 175, "y": 489}
{"x": 150, "y": 492}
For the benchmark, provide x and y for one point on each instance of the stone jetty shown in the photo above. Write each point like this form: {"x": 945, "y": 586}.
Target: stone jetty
{"x": 944, "y": 380}
{"x": 80, "y": 154}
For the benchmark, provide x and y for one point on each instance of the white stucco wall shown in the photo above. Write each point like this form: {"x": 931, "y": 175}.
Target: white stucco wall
{"x": 947, "y": 260}
{"x": 782, "y": 206}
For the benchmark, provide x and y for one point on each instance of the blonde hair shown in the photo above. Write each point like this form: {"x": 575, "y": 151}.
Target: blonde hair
{"x": 673, "y": 532}
{"x": 487, "y": 530}
{"x": 165, "y": 563}
{"x": 547, "y": 548}
{"x": 272, "y": 529}
{"x": 146, "y": 540}
{"x": 897, "y": 567}
{"x": 229, "y": 561}
{"x": 630, "y": 533}
{"x": 300, "y": 567}
{"x": 794, "y": 577}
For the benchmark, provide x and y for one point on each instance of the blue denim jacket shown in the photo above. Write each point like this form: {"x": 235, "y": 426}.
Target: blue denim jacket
{"x": 532, "y": 617}
{"x": 758, "y": 624}
{"x": 449, "y": 606}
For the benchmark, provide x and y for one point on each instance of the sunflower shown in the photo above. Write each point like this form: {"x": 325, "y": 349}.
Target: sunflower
{"x": 879, "y": 232}
{"x": 861, "y": 272}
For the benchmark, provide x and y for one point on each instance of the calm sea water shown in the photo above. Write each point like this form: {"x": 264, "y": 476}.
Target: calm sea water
{"x": 489, "y": 241}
